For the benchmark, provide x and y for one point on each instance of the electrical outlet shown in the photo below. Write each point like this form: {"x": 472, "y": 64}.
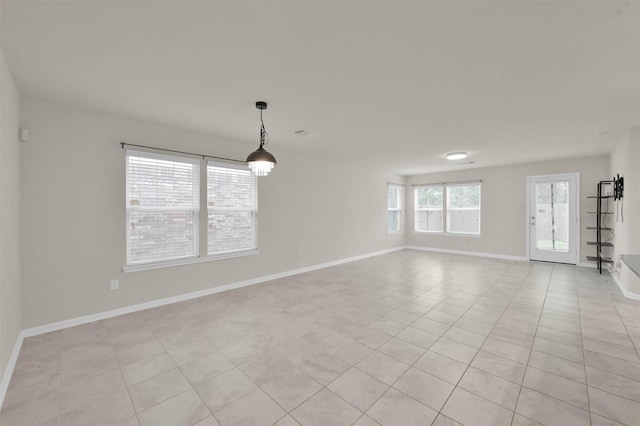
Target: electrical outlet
{"x": 115, "y": 284}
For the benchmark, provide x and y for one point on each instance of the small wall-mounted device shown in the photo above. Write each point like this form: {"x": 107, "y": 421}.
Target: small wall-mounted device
{"x": 23, "y": 135}
{"x": 114, "y": 284}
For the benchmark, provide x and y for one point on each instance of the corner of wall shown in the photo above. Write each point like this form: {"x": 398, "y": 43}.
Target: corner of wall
{"x": 10, "y": 289}
{"x": 624, "y": 160}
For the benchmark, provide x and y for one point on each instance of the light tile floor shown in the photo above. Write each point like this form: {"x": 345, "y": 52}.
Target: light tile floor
{"x": 401, "y": 339}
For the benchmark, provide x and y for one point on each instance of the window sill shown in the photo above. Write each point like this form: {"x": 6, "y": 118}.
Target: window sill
{"x": 170, "y": 263}
{"x": 447, "y": 234}
{"x": 395, "y": 233}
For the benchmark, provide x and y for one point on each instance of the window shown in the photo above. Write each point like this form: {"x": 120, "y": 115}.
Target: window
{"x": 463, "y": 208}
{"x": 231, "y": 196}
{"x": 428, "y": 202}
{"x": 162, "y": 207}
{"x": 456, "y": 204}
{"x": 164, "y": 210}
{"x": 394, "y": 195}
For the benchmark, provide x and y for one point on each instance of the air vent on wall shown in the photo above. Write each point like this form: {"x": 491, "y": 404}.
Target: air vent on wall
{"x": 302, "y": 132}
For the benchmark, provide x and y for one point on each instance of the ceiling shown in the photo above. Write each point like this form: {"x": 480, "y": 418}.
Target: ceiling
{"x": 392, "y": 85}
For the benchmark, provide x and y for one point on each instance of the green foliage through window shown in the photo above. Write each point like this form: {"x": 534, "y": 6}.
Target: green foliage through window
{"x": 430, "y": 197}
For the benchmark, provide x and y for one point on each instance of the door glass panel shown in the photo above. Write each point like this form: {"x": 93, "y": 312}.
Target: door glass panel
{"x": 561, "y": 216}
{"x": 552, "y": 216}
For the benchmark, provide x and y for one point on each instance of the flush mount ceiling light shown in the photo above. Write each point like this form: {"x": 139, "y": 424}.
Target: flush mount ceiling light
{"x": 261, "y": 161}
{"x": 456, "y": 155}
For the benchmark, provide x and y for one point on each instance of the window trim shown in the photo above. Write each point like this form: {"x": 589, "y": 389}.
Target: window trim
{"x": 189, "y": 261}
{"x": 200, "y": 213}
{"x": 400, "y": 198}
{"x": 445, "y": 210}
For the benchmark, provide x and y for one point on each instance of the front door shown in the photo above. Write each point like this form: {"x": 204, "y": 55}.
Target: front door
{"x": 553, "y": 218}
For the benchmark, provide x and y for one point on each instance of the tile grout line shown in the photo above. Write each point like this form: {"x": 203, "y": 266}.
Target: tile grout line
{"x": 323, "y": 387}
{"x": 584, "y": 358}
{"x": 585, "y": 384}
{"x": 376, "y": 350}
{"x": 389, "y": 339}
{"x": 126, "y": 386}
{"x": 119, "y": 368}
{"x": 585, "y": 367}
{"x": 287, "y": 412}
{"x": 633, "y": 344}
{"x": 177, "y": 367}
{"x": 477, "y": 350}
{"x": 493, "y": 328}
{"x": 450, "y": 326}
{"x": 411, "y": 365}
{"x": 566, "y": 378}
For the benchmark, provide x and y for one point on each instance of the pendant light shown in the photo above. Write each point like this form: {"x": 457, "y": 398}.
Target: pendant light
{"x": 261, "y": 161}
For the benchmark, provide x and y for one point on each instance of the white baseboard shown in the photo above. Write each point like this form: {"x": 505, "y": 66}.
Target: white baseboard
{"x": 47, "y": 328}
{"x": 470, "y": 253}
{"x": 11, "y": 365}
{"x": 626, "y": 293}
{"x": 488, "y": 255}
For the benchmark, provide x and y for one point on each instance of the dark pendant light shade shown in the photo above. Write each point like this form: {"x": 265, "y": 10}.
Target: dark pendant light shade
{"x": 261, "y": 161}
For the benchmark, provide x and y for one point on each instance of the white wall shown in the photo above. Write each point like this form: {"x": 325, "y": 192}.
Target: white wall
{"x": 10, "y": 304}
{"x": 625, "y": 161}
{"x": 504, "y": 204}
{"x": 73, "y": 214}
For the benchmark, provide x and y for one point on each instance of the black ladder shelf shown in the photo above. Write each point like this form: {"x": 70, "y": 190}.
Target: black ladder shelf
{"x": 600, "y": 214}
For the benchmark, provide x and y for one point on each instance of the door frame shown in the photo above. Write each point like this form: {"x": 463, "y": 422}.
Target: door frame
{"x": 578, "y": 213}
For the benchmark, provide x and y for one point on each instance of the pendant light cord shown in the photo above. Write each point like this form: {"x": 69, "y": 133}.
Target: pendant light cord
{"x": 264, "y": 136}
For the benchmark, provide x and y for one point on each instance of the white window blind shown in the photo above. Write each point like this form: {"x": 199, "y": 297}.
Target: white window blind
{"x": 162, "y": 207}
{"x": 394, "y": 210}
{"x": 428, "y": 201}
{"x": 232, "y": 208}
